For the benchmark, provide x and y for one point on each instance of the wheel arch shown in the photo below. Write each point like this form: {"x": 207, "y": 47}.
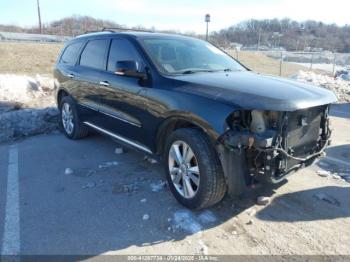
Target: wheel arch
{"x": 60, "y": 94}
{"x": 182, "y": 120}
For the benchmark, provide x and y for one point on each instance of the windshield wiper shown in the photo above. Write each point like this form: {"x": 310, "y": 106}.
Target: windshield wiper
{"x": 186, "y": 72}
{"x": 231, "y": 70}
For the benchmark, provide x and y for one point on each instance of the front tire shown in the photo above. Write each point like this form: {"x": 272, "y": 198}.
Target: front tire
{"x": 69, "y": 120}
{"x": 193, "y": 169}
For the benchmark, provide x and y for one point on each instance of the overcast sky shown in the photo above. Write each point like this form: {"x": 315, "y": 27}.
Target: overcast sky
{"x": 176, "y": 14}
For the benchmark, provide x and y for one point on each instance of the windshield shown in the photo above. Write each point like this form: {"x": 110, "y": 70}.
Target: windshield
{"x": 185, "y": 56}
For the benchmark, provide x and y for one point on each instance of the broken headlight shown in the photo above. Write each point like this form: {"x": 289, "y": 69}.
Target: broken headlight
{"x": 256, "y": 121}
{"x": 262, "y": 120}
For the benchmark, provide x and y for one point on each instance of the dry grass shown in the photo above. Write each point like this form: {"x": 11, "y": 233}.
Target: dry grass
{"x": 37, "y": 58}
{"x": 28, "y": 58}
{"x": 259, "y": 62}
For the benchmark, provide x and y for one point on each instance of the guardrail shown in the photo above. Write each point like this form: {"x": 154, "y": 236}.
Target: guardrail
{"x": 32, "y": 38}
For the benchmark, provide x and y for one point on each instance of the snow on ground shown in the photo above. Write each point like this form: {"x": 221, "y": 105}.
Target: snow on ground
{"x": 207, "y": 216}
{"x": 185, "y": 220}
{"x": 27, "y": 106}
{"x": 324, "y": 67}
{"x": 339, "y": 86}
{"x": 191, "y": 222}
{"x": 158, "y": 186}
{"x": 28, "y": 92}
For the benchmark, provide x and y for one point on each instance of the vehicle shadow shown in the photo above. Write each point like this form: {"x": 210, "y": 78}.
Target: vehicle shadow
{"x": 337, "y": 160}
{"x": 323, "y": 203}
{"x": 6, "y": 106}
{"x": 340, "y": 110}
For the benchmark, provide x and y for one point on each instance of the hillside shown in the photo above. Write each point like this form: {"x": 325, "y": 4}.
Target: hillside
{"x": 288, "y": 34}
{"x": 269, "y": 33}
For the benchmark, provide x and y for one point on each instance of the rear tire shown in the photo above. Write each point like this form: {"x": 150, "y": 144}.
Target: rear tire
{"x": 69, "y": 120}
{"x": 202, "y": 174}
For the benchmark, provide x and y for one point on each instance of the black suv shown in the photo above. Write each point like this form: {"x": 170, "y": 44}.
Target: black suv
{"x": 217, "y": 126}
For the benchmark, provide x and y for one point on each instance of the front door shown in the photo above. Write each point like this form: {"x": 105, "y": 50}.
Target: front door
{"x": 122, "y": 98}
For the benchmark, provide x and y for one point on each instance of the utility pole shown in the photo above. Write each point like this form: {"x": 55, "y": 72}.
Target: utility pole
{"x": 39, "y": 16}
{"x": 207, "y": 20}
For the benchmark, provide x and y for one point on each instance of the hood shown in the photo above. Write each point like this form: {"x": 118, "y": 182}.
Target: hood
{"x": 250, "y": 90}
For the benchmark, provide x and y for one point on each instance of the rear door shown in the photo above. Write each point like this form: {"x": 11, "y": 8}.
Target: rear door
{"x": 87, "y": 74}
{"x": 65, "y": 67}
{"x": 122, "y": 101}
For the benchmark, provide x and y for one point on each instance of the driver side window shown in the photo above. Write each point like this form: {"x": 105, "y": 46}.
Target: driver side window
{"x": 121, "y": 50}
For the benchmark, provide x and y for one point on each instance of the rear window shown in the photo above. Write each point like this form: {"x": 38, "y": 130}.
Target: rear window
{"x": 71, "y": 53}
{"x": 94, "y": 54}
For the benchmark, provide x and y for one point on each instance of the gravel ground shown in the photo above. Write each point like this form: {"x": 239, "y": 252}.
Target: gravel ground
{"x": 81, "y": 197}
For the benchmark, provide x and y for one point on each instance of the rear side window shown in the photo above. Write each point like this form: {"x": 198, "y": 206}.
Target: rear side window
{"x": 121, "y": 50}
{"x": 71, "y": 53}
{"x": 94, "y": 54}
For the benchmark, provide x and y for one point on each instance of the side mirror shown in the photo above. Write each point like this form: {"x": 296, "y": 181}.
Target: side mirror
{"x": 129, "y": 68}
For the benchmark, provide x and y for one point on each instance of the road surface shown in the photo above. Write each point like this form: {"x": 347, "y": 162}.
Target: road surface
{"x": 118, "y": 204}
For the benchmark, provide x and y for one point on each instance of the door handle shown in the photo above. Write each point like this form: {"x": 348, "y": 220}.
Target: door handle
{"x": 104, "y": 83}
{"x": 71, "y": 75}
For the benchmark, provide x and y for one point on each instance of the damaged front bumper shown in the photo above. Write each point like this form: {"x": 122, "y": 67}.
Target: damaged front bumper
{"x": 275, "y": 153}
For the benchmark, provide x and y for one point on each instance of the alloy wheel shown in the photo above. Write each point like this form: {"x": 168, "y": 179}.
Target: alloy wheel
{"x": 184, "y": 170}
{"x": 67, "y": 118}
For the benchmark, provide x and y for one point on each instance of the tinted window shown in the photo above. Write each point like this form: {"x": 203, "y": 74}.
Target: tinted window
{"x": 183, "y": 55}
{"x": 70, "y": 55}
{"x": 121, "y": 50}
{"x": 94, "y": 54}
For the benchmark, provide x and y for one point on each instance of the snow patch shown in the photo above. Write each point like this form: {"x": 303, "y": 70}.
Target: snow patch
{"x": 108, "y": 164}
{"x": 263, "y": 200}
{"x": 338, "y": 85}
{"x": 33, "y": 92}
{"x": 158, "y": 186}
{"x": 119, "y": 151}
{"x": 68, "y": 171}
{"x": 207, "y": 217}
{"x": 27, "y": 106}
{"x": 185, "y": 220}
{"x": 323, "y": 173}
{"x": 89, "y": 185}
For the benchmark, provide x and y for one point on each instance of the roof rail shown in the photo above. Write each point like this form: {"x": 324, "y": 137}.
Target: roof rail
{"x": 114, "y": 29}
{"x": 91, "y": 31}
